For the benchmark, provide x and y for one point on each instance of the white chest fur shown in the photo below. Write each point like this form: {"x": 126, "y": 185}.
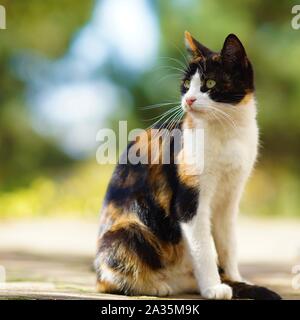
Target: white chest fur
{"x": 230, "y": 149}
{"x": 229, "y": 152}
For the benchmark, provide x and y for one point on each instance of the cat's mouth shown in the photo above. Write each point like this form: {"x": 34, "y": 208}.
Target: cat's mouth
{"x": 195, "y": 109}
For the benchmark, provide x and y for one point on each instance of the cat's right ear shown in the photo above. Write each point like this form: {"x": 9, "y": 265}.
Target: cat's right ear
{"x": 233, "y": 51}
{"x": 194, "y": 47}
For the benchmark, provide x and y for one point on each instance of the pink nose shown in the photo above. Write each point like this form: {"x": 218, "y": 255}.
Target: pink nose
{"x": 190, "y": 101}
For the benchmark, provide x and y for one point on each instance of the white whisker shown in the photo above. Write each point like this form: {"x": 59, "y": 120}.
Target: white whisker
{"x": 163, "y": 116}
{"x": 158, "y": 105}
{"x": 182, "y": 71}
{"x": 175, "y": 60}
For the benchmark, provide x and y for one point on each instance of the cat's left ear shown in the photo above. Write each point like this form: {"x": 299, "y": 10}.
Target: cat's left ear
{"x": 233, "y": 51}
{"x": 194, "y": 47}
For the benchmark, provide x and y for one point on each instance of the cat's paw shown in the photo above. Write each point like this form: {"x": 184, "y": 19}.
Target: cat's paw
{"x": 218, "y": 292}
{"x": 162, "y": 290}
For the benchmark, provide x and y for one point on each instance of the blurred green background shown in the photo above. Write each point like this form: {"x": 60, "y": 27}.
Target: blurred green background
{"x": 69, "y": 68}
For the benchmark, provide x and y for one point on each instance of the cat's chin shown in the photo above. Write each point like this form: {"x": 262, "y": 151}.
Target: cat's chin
{"x": 199, "y": 114}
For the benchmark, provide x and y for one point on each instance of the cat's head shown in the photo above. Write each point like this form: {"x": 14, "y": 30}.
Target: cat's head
{"x": 216, "y": 80}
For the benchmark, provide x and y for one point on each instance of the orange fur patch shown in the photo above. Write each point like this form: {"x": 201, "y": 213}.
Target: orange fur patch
{"x": 216, "y": 57}
{"x": 247, "y": 98}
{"x": 161, "y": 190}
{"x": 106, "y": 287}
{"x": 190, "y": 41}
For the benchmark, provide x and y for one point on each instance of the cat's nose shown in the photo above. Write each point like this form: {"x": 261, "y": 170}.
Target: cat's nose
{"x": 190, "y": 101}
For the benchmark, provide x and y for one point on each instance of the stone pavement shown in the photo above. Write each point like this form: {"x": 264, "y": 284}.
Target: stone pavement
{"x": 52, "y": 259}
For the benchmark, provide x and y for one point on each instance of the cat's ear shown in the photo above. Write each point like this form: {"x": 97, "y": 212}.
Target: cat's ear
{"x": 233, "y": 51}
{"x": 195, "y": 48}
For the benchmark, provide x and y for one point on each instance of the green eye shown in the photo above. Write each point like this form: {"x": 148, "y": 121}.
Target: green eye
{"x": 210, "y": 83}
{"x": 187, "y": 83}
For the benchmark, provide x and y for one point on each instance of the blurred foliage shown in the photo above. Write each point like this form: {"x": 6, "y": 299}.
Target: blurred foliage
{"x": 37, "y": 178}
{"x": 68, "y": 194}
{"x": 43, "y": 27}
{"x": 272, "y": 191}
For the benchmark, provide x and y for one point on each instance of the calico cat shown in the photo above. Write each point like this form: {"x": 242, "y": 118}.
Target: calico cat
{"x": 160, "y": 224}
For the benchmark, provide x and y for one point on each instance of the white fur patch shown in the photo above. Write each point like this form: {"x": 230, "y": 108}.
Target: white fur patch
{"x": 202, "y": 98}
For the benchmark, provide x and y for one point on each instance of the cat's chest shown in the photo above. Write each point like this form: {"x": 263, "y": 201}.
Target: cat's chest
{"x": 220, "y": 156}
{"x": 229, "y": 154}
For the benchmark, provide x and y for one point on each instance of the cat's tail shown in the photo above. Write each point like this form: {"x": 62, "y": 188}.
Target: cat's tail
{"x": 242, "y": 290}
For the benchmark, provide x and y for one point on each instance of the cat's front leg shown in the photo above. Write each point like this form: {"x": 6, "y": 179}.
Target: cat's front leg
{"x": 224, "y": 233}
{"x": 198, "y": 234}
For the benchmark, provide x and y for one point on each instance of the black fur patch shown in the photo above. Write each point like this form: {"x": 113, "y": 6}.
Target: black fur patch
{"x": 133, "y": 239}
{"x": 186, "y": 203}
{"x": 118, "y": 191}
{"x": 165, "y": 227}
{"x": 243, "y": 290}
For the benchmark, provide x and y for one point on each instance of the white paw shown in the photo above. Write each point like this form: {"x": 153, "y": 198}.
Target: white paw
{"x": 218, "y": 292}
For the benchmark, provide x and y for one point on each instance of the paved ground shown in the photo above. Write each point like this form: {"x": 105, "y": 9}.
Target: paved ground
{"x": 52, "y": 259}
